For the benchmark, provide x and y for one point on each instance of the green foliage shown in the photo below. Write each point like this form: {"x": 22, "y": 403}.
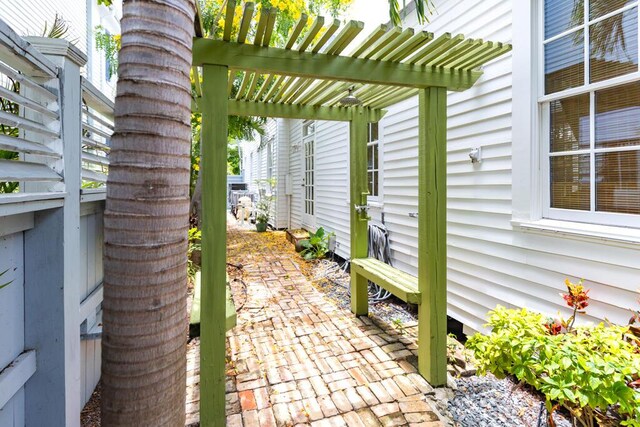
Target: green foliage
{"x": 317, "y": 246}
{"x": 59, "y": 29}
{"x": 105, "y": 2}
{"x": 589, "y": 371}
{"x": 233, "y": 159}
{"x": 4, "y": 285}
{"x": 263, "y": 207}
{"x": 110, "y": 45}
{"x": 424, "y": 8}
{"x": 195, "y": 245}
{"x": 288, "y": 13}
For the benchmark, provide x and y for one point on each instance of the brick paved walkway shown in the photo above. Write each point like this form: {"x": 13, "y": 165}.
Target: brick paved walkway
{"x": 297, "y": 359}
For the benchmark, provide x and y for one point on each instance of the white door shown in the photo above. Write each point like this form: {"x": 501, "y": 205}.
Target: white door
{"x": 308, "y": 179}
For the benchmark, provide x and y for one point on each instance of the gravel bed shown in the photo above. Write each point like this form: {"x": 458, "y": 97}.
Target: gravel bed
{"x": 476, "y": 401}
{"x": 330, "y": 277}
{"x": 490, "y": 402}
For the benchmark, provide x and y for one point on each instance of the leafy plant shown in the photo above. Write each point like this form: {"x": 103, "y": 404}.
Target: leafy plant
{"x": 317, "y": 246}
{"x": 4, "y": 285}
{"x": 195, "y": 245}
{"x": 590, "y": 371}
{"x": 58, "y": 30}
{"x": 263, "y": 207}
{"x": 110, "y": 45}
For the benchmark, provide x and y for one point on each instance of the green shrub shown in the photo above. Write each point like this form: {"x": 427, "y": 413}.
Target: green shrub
{"x": 591, "y": 371}
{"x": 317, "y": 245}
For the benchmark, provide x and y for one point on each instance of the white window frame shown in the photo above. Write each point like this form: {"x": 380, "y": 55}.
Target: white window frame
{"x": 309, "y": 203}
{"x": 378, "y": 144}
{"x": 271, "y": 158}
{"x": 530, "y": 118}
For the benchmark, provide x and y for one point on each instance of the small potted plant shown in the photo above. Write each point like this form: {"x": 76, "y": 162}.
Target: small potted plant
{"x": 263, "y": 211}
{"x": 263, "y": 207}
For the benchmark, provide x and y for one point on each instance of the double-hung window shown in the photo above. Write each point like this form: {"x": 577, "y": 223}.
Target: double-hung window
{"x": 373, "y": 160}
{"x": 590, "y": 110}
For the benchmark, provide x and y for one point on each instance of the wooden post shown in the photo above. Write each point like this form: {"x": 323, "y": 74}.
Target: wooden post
{"x": 214, "y": 246}
{"x": 432, "y": 235}
{"x": 358, "y": 197}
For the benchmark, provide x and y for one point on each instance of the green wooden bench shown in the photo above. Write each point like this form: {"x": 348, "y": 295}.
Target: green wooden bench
{"x": 231, "y": 318}
{"x": 399, "y": 283}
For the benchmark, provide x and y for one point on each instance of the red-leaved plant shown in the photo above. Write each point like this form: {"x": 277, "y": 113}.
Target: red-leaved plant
{"x": 577, "y": 298}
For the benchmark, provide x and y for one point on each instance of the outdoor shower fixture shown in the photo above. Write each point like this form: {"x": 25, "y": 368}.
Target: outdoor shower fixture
{"x": 350, "y": 100}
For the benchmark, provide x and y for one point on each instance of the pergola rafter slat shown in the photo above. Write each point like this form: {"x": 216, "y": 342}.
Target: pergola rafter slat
{"x": 344, "y": 37}
{"x": 297, "y": 30}
{"x": 371, "y": 39}
{"x": 228, "y": 21}
{"x": 383, "y": 53}
{"x": 383, "y": 41}
{"x": 331, "y": 30}
{"x": 247, "y": 16}
{"x": 409, "y": 46}
{"x": 290, "y": 81}
{"x": 311, "y": 34}
{"x": 262, "y": 25}
{"x": 271, "y": 23}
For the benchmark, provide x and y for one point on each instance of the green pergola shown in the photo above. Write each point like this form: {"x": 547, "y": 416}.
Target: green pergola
{"x": 305, "y": 79}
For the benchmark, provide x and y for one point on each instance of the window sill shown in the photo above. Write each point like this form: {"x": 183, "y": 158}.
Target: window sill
{"x": 619, "y": 236}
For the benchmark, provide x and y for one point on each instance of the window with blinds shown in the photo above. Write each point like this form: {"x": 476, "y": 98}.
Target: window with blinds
{"x": 591, "y": 110}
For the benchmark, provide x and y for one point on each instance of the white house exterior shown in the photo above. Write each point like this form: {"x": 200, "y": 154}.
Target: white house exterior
{"x": 508, "y": 242}
{"x": 29, "y": 18}
{"x": 51, "y": 241}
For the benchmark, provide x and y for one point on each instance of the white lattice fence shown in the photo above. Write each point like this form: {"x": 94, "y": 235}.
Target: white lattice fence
{"x": 97, "y": 128}
{"x": 29, "y": 120}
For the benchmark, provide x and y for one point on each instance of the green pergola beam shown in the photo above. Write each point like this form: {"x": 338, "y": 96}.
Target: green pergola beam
{"x": 303, "y": 112}
{"x": 432, "y": 235}
{"x": 331, "y": 67}
{"x": 214, "y": 246}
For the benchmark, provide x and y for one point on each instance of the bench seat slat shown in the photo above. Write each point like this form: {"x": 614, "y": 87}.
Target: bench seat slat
{"x": 399, "y": 283}
{"x": 390, "y": 273}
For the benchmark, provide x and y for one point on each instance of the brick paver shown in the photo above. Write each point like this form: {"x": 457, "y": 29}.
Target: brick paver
{"x": 297, "y": 359}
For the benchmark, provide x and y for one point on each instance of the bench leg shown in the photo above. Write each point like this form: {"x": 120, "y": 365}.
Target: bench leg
{"x": 359, "y": 294}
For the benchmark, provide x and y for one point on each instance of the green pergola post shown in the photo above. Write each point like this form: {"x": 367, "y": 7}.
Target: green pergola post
{"x": 358, "y": 196}
{"x": 214, "y": 246}
{"x": 432, "y": 235}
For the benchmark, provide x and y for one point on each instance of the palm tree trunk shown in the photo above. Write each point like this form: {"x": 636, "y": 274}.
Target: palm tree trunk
{"x": 146, "y": 219}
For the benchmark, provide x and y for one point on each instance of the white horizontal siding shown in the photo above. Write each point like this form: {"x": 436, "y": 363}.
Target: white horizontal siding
{"x": 489, "y": 262}
{"x": 29, "y": 17}
{"x": 332, "y": 181}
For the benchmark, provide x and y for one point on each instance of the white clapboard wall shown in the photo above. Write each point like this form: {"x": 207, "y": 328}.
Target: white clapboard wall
{"x": 490, "y": 261}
